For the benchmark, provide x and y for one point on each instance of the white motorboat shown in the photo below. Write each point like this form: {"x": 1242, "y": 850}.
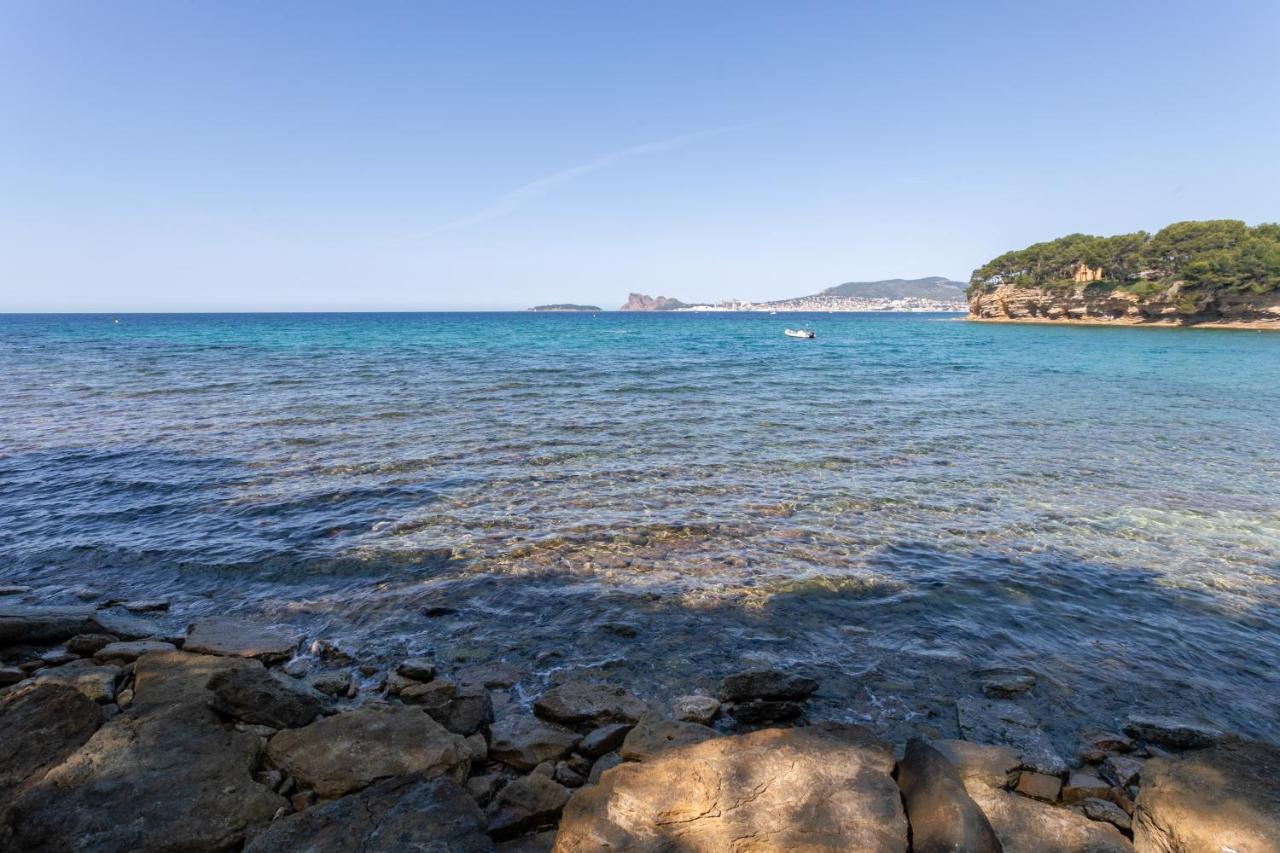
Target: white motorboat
{"x": 800, "y": 333}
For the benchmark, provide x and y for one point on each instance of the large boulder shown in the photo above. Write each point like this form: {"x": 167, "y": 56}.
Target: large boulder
{"x": 39, "y": 727}
{"x": 585, "y": 703}
{"x": 772, "y": 684}
{"x": 254, "y": 695}
{"x": 821, "y": 788}
{"x": 942, "y": 815}
{"x": 162, "y": 778}
{"x": 223, "y": 635}
{"x": 1002, "y": 722}
{"x": 1226, "y": 797}
{"x": 346, "y": 752}
{"x": 398, "y": 814}
{"x": 523, "y": 742}
{"x": 1024, "y": 825}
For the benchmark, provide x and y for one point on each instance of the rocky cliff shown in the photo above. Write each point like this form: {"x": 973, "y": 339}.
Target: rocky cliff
{"x": 1174, "y": 305}
{"x": 640, "y": 302}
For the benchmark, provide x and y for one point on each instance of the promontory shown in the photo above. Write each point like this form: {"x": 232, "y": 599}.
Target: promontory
{"x": 1213, "y": 273}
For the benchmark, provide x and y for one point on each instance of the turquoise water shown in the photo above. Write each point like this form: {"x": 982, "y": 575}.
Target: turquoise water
{"x": 662, "y": 498}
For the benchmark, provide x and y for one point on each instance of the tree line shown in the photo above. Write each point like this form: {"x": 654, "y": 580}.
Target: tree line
{"x": 1213, "y": 254}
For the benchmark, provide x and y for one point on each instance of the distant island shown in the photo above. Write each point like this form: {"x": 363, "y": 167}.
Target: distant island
{"x": 566, "y": 306}
{"x": 1213, "y": 273}
{"x": 933, "y": 293}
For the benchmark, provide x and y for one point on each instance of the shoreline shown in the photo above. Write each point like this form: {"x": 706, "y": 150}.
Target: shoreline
{"x": 233, "y": 732}
{"x": 1260, "y": 326}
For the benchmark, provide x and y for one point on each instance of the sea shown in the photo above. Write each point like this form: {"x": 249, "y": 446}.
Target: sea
{"x": 660, "y": 499}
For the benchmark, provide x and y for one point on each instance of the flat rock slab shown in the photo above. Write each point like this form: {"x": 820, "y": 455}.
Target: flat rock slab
{"x": 1000, "y": 722}
{"x": 405, "y": 813}
{"x": 254, "y": 695}
{"x": 585, "y": 703}
{"x": 166, "y": 779}
{"x": 178, "y": 679}
{"x": 39, "y": 727}
{"x": 346, "y": 752}
{"x": 1024, "y": 825}
{"x": 1226, "y": 797}
{"x": 820, "y": 788}
{"x": 524, "y": 742}
{"x": 1171, "y": 731}
{"x": 130, "y": 650}
{"x": 95, "y": 681}
{"x": 222, "y": 635}
{"x": 43, "y": 625}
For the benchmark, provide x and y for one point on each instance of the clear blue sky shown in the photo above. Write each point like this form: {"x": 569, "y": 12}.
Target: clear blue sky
{"x": 399, "y": 155}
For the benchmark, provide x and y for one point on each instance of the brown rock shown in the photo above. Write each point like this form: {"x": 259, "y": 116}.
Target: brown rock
{"x": 40, "y": 726}
{"x": 654, "y": 735}
{"x": 94, "y": 681}
{"x": 1024, "y": 825}
{"x": 256, "y": 696}
{"x": 943, "y": 817}
{"x": 405, "y": 813}
{"x": 86, "y": 644}
{"x": 1122, "y": 770}
{"x": 696, "y": 709}
{"x": 1085, "y": 784}
{"x": 1099, "y": 809}
{"x": 346, "y": 752}
{"x": 131, "y": 650}
{"x": 821, "y": 788}
{"x": 464, "y": 709}
{"x": 525, "y": 742}
{"x": 228, "y": 637}
{"x": 585, "y": 703}
{"x": 1039, "y": 786}
{"x": 528, "y": 803}
{"x": 177, "y": 678}
{"x": 1225, "y": 797}
{"x": 991, "y": 765}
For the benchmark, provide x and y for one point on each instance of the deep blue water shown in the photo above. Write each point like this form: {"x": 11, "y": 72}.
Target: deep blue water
{"x": 663, "y": 497}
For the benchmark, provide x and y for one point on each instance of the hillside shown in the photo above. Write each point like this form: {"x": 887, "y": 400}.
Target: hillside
{"x": 932, "y": 287}
{"x": 1217, "y": 272}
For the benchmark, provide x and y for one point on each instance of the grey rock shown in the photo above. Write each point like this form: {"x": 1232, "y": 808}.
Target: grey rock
{"x": 1171, "y": 732}
{"x": 540, "y": 842}
{"x": 989, "y": 764}
{"x": 1224, "y": 797}
{"x": 524, "y": 742}
{"x": 695, "y": 708}
{"x": 149, "y": 605}
{"x": 131, "y": 650}
{"x": 1006, "y": 682}
{"x": 333, "y": 683}
{"x": 528, "y": 803}
{"x": 1098, "y": 809}
{"x": 603, "y": 763}
{"x": 494, "y": 675}
{"x": 94, "y": 681}
{"x": 20, "y": 624}
{"x": 766, "y": 684}
{"x": 228, "y": 637}
{"x": 1122, "y": 770}
{"x": 254, "y": 695}
{"x": 943, "y": 817}
{"x": 478, "y": 746}
{"x": 604, "y": 739}
{"x": 818, "y": 788}
{"x": 586, "y": 703}
{"x": 567, "y": 776}
{"x": 1001, "y": 722}
{"x": 483, "y": 787}
{"x": 1082, "y": 785}
{"x": 86, "y": 644}
{"x": 654, "y": 735}
{"x": 405, "y": 813}
{"x": 346, "y": 752}
{"x": 11, "y": 675}
{"x": 464, "y": 709}
{"x": 417, "y": 669}
{"x": 40, "y": 726}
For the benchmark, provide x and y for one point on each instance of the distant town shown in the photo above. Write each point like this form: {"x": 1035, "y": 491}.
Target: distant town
{"x": 834, "y": 303}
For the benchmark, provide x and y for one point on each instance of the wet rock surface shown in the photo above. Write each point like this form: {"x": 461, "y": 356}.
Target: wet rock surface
{"x": 1003, "y": 722}
{"x": 1171, "y": 731}
{"x": 254, "y": 695}
{"x": 770, "y": 684}
{"x": 349, "y": 751}
{"x": 816, "y": 789}
{"x": 394, "y": 815}
{"x": 582, "y": 703}
{"x": 220, "y": 635}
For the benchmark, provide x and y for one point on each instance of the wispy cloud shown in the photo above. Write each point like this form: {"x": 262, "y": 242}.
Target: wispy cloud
{"x": 519, "y": 197}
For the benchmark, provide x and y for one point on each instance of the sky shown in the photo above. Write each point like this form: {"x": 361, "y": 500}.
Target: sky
{"x": 206, "y": 156}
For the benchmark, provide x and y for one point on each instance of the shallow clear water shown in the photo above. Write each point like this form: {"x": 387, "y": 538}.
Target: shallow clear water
{"x": 663, "y": 498}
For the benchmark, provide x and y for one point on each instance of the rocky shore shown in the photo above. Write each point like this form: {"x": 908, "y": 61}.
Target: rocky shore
{"x": 117, "y": 735}
{"x": 1095, "y": 304}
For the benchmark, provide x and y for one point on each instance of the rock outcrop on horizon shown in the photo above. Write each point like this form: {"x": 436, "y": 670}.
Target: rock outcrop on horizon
{"x": 641, "y": 302}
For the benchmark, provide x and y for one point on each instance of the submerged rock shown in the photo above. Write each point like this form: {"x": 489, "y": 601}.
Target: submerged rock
{"x": 696, "y": 709}
{"x": 821, "y": 788}
{"x": 228, "y": 637}
{"x": 1171, "y": 731}
{"x": 417, "y": 669}
{"x": 398, "y": 814}
{"x": 1002, "y": 722}
{"x": 346, "y": 752}
{"x": 254, "y": 695}
{"x": 943, "y": 817}
{"x": 759, "y": 711}
{"x": 587, "y": 703}
{"x": 1006, "y": 682}
{"x": 1225, "y": 797}
{"x": 766, "y": 684}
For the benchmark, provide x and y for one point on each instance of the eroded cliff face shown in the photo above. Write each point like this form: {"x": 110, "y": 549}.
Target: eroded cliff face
{"x": 1093, "y": 303}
